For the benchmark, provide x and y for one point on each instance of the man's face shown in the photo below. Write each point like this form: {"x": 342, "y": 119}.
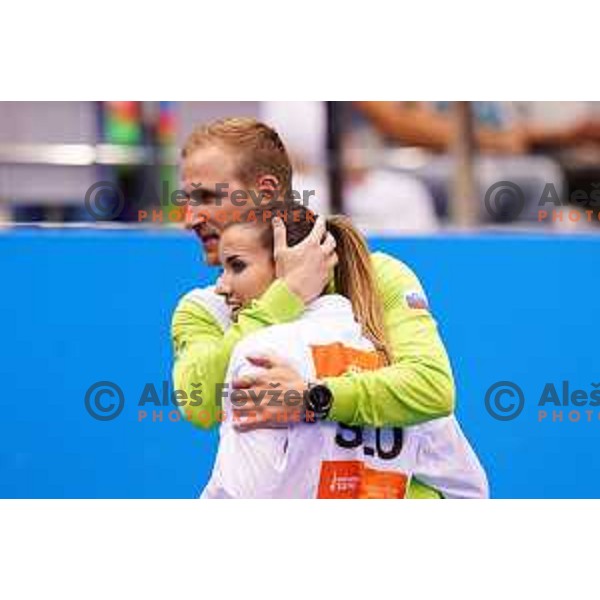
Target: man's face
{"x": 208, "y": 179}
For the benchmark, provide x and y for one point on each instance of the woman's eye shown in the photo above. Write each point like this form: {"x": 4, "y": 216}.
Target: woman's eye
{"x": 237, "y": 266}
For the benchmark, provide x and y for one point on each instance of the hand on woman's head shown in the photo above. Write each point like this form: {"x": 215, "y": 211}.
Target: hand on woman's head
{"x": 307, "y": 266}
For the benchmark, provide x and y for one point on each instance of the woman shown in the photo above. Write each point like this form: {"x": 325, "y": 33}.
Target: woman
{"x": 337, "y": 333}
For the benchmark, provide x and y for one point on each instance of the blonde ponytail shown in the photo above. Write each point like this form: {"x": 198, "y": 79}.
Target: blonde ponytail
{"x": 355, "y": 279}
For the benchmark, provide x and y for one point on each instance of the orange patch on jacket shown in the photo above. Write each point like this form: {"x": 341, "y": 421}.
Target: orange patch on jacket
{"x": 350, "y": 479}
{"x": 332, "y": 360}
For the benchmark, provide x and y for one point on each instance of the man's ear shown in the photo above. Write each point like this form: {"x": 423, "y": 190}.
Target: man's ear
{"x": 268, "y": 186}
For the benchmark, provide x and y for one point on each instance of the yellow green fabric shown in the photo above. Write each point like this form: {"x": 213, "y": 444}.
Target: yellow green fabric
{"x": 417, "y": 387}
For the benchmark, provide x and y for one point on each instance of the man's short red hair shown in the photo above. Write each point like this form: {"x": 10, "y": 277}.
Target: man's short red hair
{"x": 256, "y": 147}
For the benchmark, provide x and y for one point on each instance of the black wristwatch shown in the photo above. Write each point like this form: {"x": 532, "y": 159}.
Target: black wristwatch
{"x": 317, "y": 402}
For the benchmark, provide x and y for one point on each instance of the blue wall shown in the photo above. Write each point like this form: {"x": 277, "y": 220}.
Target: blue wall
{"x": 84, "y": 306}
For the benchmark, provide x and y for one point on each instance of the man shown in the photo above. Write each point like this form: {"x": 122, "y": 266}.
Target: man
{"x": 231, "y": 164}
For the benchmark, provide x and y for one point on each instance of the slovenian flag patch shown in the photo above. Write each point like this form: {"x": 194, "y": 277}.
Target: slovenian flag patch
{"x": 416, "y": 299}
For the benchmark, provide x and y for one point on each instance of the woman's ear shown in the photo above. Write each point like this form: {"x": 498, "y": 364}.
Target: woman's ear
{"x": 268, "y": 186}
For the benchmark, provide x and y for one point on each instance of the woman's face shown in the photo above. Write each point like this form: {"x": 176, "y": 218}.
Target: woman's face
{"x": 248, "y": 268}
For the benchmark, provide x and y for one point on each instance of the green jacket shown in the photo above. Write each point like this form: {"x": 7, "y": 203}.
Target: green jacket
{"x": 417, "y": 387}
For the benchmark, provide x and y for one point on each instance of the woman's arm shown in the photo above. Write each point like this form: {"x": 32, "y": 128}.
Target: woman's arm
{"x": 420, "y": 126}
{"x": 409, "y": 125}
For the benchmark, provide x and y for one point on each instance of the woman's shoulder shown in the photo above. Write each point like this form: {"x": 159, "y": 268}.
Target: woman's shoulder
{"x": 327, "y": 319}
{"x": 286, "y": 341}
{"x": 272, "y": 339}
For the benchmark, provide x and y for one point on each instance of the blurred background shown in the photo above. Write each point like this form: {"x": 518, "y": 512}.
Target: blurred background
{"x": 91, "y": 274}
{"x": 394, "y": 167}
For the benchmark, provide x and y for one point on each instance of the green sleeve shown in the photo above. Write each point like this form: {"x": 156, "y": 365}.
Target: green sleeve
{"x": 418, "y": 386}
{"x": 202, "y": 349}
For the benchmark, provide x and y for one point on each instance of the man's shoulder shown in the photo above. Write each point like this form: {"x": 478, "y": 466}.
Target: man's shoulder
{"x": 397, "y": 283}
{"x": 205, "y": 303}
{"x": 391, "y": 271}
{"x": 202, "y": 296}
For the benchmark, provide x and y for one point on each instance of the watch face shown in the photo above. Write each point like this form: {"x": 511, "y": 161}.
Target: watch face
{"x": 320, "y": 398}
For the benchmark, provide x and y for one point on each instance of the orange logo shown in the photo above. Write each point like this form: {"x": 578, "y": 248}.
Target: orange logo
{"x": 350, "y": 479}
{"x": 336, "y": 359}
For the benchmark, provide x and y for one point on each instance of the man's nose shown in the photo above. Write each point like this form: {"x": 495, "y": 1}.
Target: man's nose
{"x": 195, "y": 216}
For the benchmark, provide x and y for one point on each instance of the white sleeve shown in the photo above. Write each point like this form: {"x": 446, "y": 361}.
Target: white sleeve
{"x": 250, "y": 463}
{"x": 447, "y": 462}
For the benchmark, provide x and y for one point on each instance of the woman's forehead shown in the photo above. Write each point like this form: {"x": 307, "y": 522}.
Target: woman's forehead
{"x": 241, "y": 240}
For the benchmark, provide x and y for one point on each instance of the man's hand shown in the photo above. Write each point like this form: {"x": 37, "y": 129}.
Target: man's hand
{"x": 306, "y": 267}
{"x": 273, "y": 398}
